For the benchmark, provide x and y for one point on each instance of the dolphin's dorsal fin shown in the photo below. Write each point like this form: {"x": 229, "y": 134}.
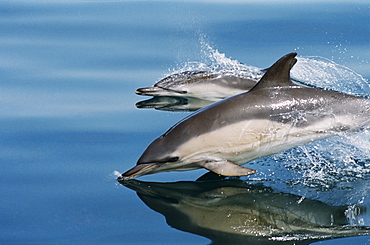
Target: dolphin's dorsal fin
{"x": 279, "y": 73}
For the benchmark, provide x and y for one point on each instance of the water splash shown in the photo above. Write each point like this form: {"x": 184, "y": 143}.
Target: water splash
{"x": 326, "y": 74}
{"x": 116, "y": 174}
{"x": 220, "y": 63}
{"x": 327, "y": 164}
{"x": 310, "y": 70}
{"x": 216, "y": 62}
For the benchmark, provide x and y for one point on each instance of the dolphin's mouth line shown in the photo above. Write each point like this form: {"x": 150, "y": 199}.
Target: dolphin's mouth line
{"x": 172, "y": 90}
{"x": 137, "y": 171}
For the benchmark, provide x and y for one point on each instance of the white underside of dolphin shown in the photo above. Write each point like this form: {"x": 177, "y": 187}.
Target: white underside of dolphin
{"x": 250, "y": 140}
{"x": 274, "y": 116}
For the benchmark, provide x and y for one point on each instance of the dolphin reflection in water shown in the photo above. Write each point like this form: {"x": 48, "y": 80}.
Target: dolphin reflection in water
{"x": 275, "y": 115}
{"x": 236, "y": 212}
{"x": 174, "y": 103}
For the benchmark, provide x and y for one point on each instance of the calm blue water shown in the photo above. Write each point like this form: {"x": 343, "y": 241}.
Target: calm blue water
{"x": 68, "y": 117}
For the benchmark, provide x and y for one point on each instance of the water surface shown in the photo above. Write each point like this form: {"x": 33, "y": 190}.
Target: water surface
{"x": 68, "y": 117}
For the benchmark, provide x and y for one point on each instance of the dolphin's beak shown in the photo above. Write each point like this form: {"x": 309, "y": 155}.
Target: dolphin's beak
{"x": 138, "y": 170}
{"x": 146, "y": 91}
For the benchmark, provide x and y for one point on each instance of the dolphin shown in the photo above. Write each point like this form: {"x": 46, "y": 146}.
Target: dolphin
{"x": 275, "y": 115}
{"x": 201, "y": 84}
{"x": 209, "y": 84}
{"x": 233, "y": 211}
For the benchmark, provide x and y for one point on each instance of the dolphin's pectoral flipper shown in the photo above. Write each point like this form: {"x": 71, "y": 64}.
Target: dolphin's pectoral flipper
{"x": 227, "y": 168}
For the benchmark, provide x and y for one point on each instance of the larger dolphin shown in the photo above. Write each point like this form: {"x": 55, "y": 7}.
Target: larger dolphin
{"x": 275, "y": 115}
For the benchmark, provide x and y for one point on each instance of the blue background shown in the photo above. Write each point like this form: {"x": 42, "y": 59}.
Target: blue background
{"x": 68, "y": 119}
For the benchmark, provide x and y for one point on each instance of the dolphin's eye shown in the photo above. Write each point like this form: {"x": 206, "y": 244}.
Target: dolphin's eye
{"x": 169, "y": 159}
{"x": 173, "y": 159}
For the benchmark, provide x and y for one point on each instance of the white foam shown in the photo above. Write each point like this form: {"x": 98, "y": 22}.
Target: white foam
{"x": 116, "y": 173}
{"x": 326, "y": 74}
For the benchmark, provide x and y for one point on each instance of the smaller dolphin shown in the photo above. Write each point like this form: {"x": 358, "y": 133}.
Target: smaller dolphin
{"x": 216, "y": 85}
{"x": 275, "y": 115}
{"x": 200, "y": 84}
